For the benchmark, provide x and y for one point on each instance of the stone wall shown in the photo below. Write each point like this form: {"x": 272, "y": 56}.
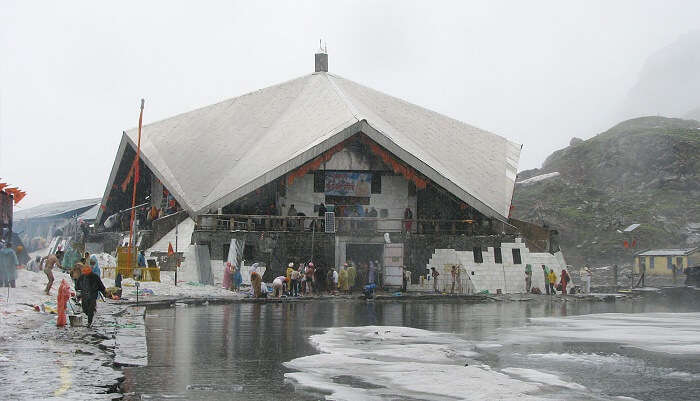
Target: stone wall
{"x": 164, "y": 225}
{"x": 419, "y": 248}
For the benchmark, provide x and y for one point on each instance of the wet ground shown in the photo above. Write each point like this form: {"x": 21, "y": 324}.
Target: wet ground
{"x": 649, "y": 350}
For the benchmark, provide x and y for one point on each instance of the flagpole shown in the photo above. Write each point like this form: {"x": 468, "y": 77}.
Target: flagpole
{"x": 136, "y": 181}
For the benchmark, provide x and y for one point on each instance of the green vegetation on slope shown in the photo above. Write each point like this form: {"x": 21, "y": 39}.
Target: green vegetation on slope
{"x": 645, "y": 170}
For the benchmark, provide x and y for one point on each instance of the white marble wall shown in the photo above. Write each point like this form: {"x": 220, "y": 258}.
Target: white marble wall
{"x": 506, "y": 276}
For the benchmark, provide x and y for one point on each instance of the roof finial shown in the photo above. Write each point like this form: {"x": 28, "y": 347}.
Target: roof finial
{"x": 321, "y": 57}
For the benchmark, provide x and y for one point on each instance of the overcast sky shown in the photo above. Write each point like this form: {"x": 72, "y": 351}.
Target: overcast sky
{"x": 536, "y": 72}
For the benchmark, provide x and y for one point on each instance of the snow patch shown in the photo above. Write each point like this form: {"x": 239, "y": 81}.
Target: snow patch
{"x": 544, "y": 378}
{"x": 538, "y": 178}
{"x": 401, "y": 362}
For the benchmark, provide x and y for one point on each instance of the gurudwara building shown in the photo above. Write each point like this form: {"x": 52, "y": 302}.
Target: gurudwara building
{"x": 322, "y": 168}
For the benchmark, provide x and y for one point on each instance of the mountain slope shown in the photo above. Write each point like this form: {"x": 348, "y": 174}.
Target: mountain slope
{"x": 645, "y": 170}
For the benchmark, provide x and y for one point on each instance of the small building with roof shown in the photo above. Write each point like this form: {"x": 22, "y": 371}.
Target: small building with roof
{"x": 39, "y": 224}
{"x": 662, "y": 261}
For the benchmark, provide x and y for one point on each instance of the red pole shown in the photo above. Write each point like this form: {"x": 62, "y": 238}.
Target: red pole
{"x": 136, "y": 181}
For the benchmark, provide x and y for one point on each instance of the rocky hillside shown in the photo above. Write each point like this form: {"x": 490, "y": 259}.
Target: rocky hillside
{"x": 645, "y": 170}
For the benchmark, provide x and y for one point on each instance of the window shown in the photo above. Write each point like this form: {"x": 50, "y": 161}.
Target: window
{"x": 377, "y": 183}
{"x": 319, "y": 181}
{"x": 498, "y": 255}
{"x": 478, "y": 257}
{"x": 651, "y": 262}
{"x": 516, "y": 257}
{"x": 411, "y": 189}
{"x": 669, "y": 262}
{"x": 226, "y": 249}
{"x": 679, "y": 263}
{"x": 249, "y": 252}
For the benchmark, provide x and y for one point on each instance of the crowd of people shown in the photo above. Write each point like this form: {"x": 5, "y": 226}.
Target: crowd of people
{"x": 306, "y": 279}
{"x": 84, "y": 270}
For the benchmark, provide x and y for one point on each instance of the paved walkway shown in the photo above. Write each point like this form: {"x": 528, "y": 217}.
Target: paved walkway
{"x": 40, "y": 361}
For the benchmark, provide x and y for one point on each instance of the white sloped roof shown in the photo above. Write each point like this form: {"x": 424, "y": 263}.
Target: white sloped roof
{"x": 212, "y": 156}
{"x": 49, "y": 210}
{"x": 667, "y": 252}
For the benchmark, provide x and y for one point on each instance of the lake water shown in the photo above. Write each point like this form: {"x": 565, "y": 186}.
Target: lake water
{"x": 648, "y": 350}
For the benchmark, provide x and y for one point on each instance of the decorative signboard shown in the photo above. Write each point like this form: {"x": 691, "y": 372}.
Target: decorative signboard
{"x": 348, "y": 184}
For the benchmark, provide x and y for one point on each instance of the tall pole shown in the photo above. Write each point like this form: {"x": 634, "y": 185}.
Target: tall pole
{"x": 177, "y": 224}
{"x": 313, "y": 232}
{"x": 135, "y": 169}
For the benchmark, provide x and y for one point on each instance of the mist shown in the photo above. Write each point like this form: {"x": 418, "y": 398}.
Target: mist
{"x": 537, "y": 72}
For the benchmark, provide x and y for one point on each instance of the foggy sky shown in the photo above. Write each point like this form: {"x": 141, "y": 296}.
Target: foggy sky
{"x": 538, "y": 73}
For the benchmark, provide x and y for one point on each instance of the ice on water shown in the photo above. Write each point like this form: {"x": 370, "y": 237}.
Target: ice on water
{"x": 403, "y": 362}
{"x": 674, "y": 333}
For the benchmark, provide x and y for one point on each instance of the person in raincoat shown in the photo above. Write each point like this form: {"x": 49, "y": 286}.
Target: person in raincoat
{"x": 546, "y": 278}
{"x": 255, "y": 283}
{"x": 62, "y": 300}
{"x": 371, "y": 273}
{"x": 528, "y": 277}
{"x": 587, "y": 274}
{"x": 332, "y": 280}
{"x": 95, "y": 266}
{"x": 237, "y": 278}
{"x": 352, "y": 276}
{"x": 8, "y": 266}
{"x": 564, "y": 280}
{"x": 90, "y": 286}
{"x": 278, "y": 286}
{"x": 35, "y": 265}
{"x": 227, "y": 282}
{"x": 552, "y": 281}
{"x": 343, "y": 284}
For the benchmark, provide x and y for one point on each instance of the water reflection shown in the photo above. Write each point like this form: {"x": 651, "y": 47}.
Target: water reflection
{"x": 214, "y": 348}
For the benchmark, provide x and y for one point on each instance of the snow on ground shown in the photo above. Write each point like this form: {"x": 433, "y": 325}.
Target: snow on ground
{"x": 539, "y": 178}
{"x": 674, "y": 333}
{"x": 166, "y": 287}
{"x": 401, "y": 362}
{"x": 18, "y": 311}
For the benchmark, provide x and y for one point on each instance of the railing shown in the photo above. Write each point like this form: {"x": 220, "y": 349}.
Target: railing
{"x": 241, "y": 222}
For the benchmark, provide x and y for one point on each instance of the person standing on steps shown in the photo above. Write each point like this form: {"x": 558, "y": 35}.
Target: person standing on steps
{"x": 546, "y": 278}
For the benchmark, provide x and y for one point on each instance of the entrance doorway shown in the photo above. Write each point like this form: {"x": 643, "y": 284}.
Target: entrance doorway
{"x": 363, "y": 253}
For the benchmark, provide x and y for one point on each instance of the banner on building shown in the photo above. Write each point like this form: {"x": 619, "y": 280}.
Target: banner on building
{"x": 348, "y": 184}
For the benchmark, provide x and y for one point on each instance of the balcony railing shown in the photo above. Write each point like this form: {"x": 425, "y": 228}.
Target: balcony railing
{"x": 349, "y": 225}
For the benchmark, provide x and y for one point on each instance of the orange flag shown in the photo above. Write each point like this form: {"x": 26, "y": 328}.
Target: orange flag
{"x": 19, "y": 196}
{"x": 170, "y": 248}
